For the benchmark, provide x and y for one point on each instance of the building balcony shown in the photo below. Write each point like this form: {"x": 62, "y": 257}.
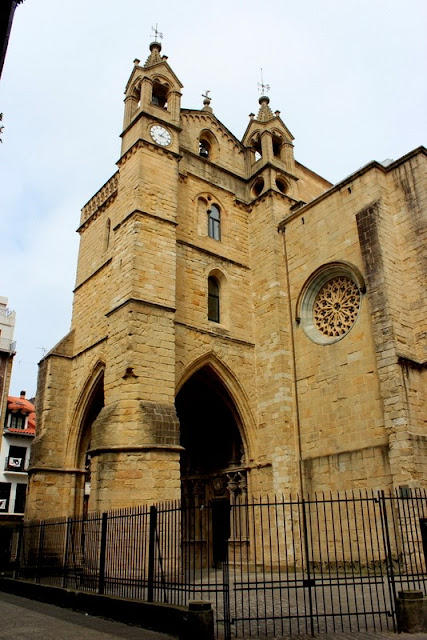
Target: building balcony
{"x": 15, "y": 465}
{"x": 9, "y": 346}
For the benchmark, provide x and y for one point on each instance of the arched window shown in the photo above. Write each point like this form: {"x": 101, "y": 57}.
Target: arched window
{"x": 107, "y": 234}
{"x": 214, "y": 222}
{"x": 213, "y": 299}
{"x": 204, "y": 148}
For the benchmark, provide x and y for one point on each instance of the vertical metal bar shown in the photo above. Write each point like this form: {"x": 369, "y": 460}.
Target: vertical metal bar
{"x": 359, "y": 555}
{"x": 40, "y": 553}
{"x": 343, "y": 559}
{"x": 254, "y": 526}
{"x": 65, "y": 564}
{"x": 261, "y": 523}
{"x": 279, "y": 560}
{"x": 102, "y": 551}
{"x": 307, "y": 563}
{"x": 226, "y": 597}
{"x": 389, "y": 563}
{"x": 151, "y": 552}
{"x": 314, "y": 611}
{"x": 352, "y": 561}
{"x": 292, "y": 547}
{"x": 328, "y": 562}
{"x": 300, "y": 534}
{"x": 18, "y": 551}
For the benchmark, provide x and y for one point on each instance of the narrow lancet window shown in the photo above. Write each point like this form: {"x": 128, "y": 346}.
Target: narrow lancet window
{"x": 213, "y": 299}
{"x": 214, "y": 222}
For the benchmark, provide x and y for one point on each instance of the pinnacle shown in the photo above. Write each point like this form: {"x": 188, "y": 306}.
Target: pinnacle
{"x": 264, "y": 113}
{"x": 154, "y": 57}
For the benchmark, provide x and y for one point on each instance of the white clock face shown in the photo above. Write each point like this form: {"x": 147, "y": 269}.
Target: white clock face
{"x": 160, "y": 135}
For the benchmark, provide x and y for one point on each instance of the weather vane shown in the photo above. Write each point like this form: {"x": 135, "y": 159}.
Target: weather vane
{"x": 206, "y": 94}
{"x": 263, "y": 88}
{"x": 156, "y": 33}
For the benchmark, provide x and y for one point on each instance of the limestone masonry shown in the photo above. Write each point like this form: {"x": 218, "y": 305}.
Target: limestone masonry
{"x": 239, "y": 324}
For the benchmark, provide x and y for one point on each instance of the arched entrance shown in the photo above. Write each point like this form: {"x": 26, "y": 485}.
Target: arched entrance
{"x": 95, "y": 403}
{"x": 213, "y": 472}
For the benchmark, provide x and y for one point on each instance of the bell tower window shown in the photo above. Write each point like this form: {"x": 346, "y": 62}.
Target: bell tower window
{"x": 213, "y": 299}
{"x": 204, "y": 148}
{"x": 208, "y": 145}
{"x": 159, "y": 95}
{"x": 214, "y": 222}
{"x": 256, "y": 148}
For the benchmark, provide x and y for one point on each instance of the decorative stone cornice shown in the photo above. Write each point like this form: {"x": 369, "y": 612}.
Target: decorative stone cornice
{"x": 210, "y": 119}
{"x": 145, "y": 143}
{"x": 102, "y": 198}
{"x": 190, "y": 245}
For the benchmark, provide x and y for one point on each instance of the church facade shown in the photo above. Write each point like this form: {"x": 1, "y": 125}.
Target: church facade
{"x": 239, "y": 324}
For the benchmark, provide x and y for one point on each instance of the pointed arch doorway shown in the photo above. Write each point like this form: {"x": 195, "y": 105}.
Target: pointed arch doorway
{"x": 94, "y": 404}
{"x": 213, "y": 471}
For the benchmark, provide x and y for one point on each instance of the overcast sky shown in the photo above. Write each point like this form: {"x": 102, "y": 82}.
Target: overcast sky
{"x": 349, "y": 78}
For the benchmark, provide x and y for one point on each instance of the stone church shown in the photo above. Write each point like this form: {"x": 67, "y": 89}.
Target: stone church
{"x": 239, "y": 324}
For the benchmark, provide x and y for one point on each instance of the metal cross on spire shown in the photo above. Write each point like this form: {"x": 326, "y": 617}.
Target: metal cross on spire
{"x": 263, "y": 88}
{"x": 156, "y": 33}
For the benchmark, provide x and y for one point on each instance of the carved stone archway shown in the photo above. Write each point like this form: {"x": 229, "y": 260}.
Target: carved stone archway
{"x": 213, "y": 464}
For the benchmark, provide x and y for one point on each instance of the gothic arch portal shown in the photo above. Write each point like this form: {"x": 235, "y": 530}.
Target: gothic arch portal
{"x": 89, "y": 405}
{"x": 212, "y": 433}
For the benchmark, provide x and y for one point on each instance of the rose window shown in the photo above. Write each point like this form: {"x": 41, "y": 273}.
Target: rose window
{"x": 336, "y": 306}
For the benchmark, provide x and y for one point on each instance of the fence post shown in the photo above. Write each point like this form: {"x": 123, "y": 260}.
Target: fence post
{"x": 101, "y": 582}
{"x": 18, "y": 551}
{"x": 308, "y": 581}
{"x": 151, "y": 552}
{"x": 226, "y": 597}
{"x": 65, "y": 567}
{"x": 389, "y": 555}
{"x": 40, "y": 553}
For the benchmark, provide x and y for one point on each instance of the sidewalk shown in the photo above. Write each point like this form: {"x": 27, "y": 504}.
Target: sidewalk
{"x": 25, "y": 619}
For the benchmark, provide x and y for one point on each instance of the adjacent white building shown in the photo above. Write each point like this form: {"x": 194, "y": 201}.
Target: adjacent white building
{"x": 18, "y": 428}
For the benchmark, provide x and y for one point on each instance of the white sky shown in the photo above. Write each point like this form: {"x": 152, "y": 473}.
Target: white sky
{"x": 349, "y": 77}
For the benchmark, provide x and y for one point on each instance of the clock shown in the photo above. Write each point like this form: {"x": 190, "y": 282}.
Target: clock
{"x": 160, "y": 135}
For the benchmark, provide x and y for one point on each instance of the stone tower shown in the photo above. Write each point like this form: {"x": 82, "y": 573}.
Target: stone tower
{"x": 200, "y": 360}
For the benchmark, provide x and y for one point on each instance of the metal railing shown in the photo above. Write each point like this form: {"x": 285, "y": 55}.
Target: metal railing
{"x": 271, "y": 567}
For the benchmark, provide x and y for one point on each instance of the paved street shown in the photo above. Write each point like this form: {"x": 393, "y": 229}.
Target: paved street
{"x": 23, "y": 619}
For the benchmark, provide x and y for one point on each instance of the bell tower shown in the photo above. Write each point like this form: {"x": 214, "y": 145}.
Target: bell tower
{"x": 152, "y": 102}
{"x": 272, "y": 153}
{"x": 117, "y": 365}
{"x": 139, "y": 375}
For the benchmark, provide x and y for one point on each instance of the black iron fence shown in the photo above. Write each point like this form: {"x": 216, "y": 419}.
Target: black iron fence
{"x": 271, "y": 567}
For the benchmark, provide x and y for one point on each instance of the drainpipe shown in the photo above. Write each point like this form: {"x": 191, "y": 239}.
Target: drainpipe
{"x": 294, "y": 373}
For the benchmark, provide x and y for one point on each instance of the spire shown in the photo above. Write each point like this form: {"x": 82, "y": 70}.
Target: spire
{"x": 264, "y": 113}
{"x": 155, "y": 48}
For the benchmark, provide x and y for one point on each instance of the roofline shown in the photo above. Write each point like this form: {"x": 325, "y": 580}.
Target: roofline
{"x": 252, "y": 120}
{"x": 374, "y": 164}
{"x": 218, "y": 120}
{"x": 313, "y": 173}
